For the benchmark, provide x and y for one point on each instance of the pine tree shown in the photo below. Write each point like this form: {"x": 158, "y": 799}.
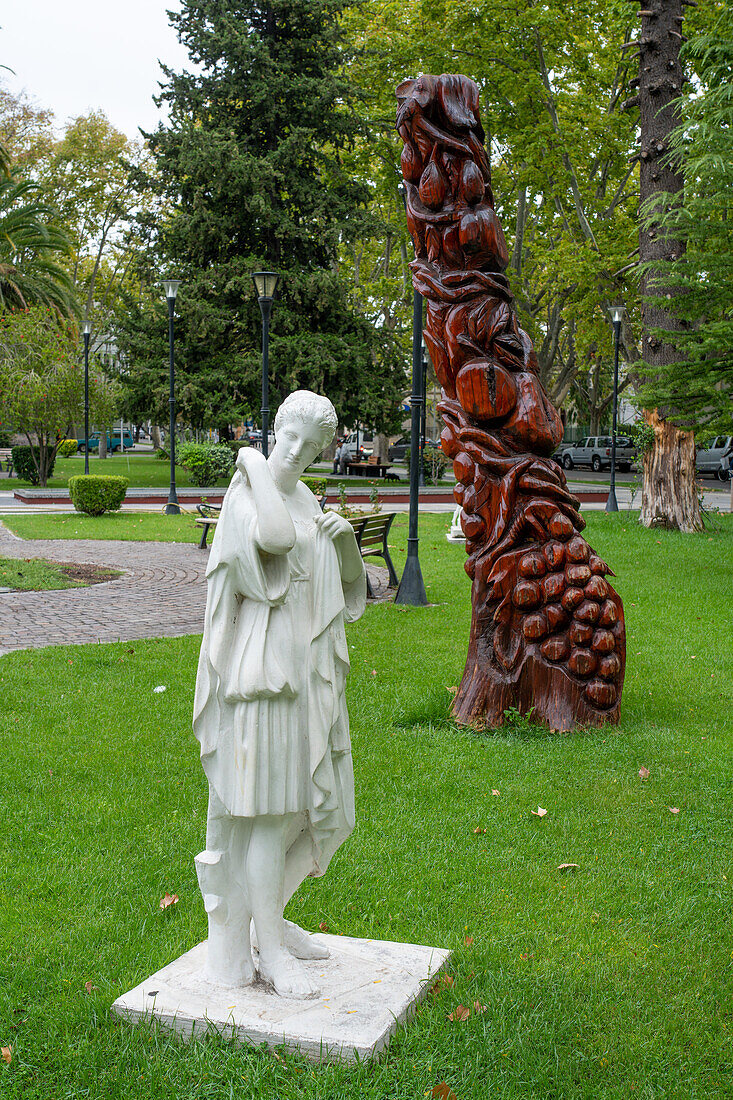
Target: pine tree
{"x": 250, "y": 167}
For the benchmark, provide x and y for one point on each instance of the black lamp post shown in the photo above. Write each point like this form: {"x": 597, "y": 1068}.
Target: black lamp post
{"x": 617, "y": 315}
{"x": 265, "y": 286}
{"x": 423, "y": 411}
{"x": 172, "y": 508}
{"x": 87, "y": 331}
{"x": 412, "y": 588}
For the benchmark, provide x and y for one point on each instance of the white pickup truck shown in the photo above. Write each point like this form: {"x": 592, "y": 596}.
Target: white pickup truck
{"x": 595, "y": 451}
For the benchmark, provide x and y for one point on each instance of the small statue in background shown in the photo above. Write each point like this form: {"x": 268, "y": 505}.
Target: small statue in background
{"x": 547, "y": 633}
{"x": 270, "y": 712}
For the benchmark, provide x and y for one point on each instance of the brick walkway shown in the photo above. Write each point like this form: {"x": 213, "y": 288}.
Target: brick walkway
{"x": 161, "y": 594}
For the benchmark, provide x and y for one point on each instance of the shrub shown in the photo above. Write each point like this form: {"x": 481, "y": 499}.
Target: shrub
{"x": 434, "y": 464}
{"x": 206, "y": 462}
{"x": 67, "y": 448}
{"x": 25, "y": 467}
{"x": 317, "y": 485}
{"x": 95, "y": 495}
{"x": 5, "y": 438}
{"x": 162, "y": 455}
{"x": 236, "y": 445}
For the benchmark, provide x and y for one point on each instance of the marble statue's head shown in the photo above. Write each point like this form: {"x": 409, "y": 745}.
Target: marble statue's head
{"x": 306, "y": 407}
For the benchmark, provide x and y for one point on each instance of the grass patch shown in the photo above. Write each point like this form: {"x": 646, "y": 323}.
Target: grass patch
{"x": 125, "y": 526}
{"x": 37, "y": 575}
{"x": 143, "y": 471}
{"x": 612, "y": 982}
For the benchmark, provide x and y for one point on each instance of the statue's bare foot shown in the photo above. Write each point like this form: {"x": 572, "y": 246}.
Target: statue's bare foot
{"x": 301, "y": 944}
{"x": 298, "y": 942}
{"x": 287, "y": 977}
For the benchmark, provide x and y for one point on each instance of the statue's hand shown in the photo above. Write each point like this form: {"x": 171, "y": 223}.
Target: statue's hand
{"x": 334, "y": 525}
{"x": 250, "y": 461}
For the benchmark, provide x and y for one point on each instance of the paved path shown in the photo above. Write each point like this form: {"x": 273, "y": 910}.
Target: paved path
{"x": 162, "y": 593}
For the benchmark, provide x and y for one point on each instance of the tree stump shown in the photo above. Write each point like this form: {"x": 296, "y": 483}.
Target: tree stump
{"x": 547, "y": 632}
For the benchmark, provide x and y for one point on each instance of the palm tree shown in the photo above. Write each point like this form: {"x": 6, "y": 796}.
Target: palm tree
{"x": 31, "y": 244}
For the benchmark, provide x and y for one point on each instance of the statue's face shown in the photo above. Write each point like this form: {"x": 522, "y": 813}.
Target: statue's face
{"x": 297, "y": 444}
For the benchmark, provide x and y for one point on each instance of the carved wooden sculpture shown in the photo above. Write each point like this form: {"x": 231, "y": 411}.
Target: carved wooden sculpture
{"x": 548, "y": 630}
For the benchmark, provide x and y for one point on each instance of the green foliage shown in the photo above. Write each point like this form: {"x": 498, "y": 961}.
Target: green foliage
{"x": 252, "y": 170}
{"x": 26, "y": 463}
{"x": 642, "y": 435}
{"x": 697, "y": 287}
{"x": 317, "y": 485}
{"x": 66, "y": 448}
{"x": 33, "y": 247}
{"x": 96, "y": 495}
{"x": 236, "y": 445}
{"x": 207, "y": 463}
{"x": 434, "y": 464}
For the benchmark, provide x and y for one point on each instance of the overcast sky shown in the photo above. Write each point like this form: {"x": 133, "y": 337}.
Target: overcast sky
{"x": 74, "y": 55}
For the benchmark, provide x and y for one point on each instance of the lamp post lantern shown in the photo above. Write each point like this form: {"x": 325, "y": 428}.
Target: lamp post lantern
{"x": 265, "y": 286}
{"x": 617, "y": 316}
{"x": 87, "y": 331}
{"x": 172, "y": 508}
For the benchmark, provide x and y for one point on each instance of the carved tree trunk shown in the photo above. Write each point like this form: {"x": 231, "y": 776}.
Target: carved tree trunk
{"x": 668, "y": 491}
{"x": 547, "y": 633}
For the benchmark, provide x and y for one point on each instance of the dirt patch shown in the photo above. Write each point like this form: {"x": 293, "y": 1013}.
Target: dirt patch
{"x": 87, "y": 574}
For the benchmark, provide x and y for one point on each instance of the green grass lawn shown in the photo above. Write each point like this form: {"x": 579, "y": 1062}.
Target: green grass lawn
{"x": 36, "y": 575}
{"x": 143, "y": 471}
{"x": 614, "y": 981}
{"x": 137, "y": 527}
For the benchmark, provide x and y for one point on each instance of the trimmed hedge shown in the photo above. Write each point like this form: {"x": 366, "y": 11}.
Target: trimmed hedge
{"x": 25, "y": 467}
{"x": 207, "y": 463}
{"x": 95, "y": 495}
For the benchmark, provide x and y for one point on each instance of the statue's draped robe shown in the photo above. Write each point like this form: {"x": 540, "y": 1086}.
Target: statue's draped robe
{"x": 270, "y": 712}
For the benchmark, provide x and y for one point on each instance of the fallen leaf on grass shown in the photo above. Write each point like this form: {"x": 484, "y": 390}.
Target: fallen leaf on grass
{"x": 478, "y": 1008}
{"x": 643, "y": 773}
{"x": 469, "y": 941}
{"x": 459, "y": 1014}
{"x": 539, "y": 812}
{"x": 7, "y": 1054}
{"x": 567, "y": 867}
{"x": 443, "y": 1092}
{"x": 168, "y": 899}
{"x": 673, "y": 809}
{"x": 89, "y": 986}
{"x": 478, "y": 830}
{"x": 453, "y": 689}
{"x": 323, "y": 926}
{"x": 496, "y": 793}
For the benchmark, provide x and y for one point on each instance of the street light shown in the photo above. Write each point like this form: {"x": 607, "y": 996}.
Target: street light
{"x": 412, "y": 588}
{"x": 172, "y": 508}
{"x": 265, "y": 286}
{"x": 617, "y": 316}
{"x": 87, "y": 331}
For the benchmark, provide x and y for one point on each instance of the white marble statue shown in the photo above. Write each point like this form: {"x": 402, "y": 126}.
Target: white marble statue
{"x": 270, "y": 712}
{"x": 456, "y": 531}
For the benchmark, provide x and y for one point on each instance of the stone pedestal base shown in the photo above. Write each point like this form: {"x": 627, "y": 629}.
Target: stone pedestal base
{"x": 368, "y": 987}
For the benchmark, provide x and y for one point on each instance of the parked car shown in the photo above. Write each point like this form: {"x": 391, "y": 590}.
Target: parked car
{"x": 714, "y": 457}
{"x": 113, "y": 442}
{"x": 595, "y": 451}
{"x": 399, "y": 450}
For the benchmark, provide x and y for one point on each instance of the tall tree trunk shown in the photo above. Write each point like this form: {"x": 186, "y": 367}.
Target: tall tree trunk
{"x": 669, "y": 469}
{"x": 155, "y": 436}
{"x": 668, "y": 498}
{"x": 103, "y": 443}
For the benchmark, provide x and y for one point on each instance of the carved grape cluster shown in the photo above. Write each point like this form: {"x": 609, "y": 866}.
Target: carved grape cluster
{"x": 568, "y": 609}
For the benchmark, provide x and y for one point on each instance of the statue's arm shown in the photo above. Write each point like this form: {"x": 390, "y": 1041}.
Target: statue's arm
{"x": 275, "y": 533}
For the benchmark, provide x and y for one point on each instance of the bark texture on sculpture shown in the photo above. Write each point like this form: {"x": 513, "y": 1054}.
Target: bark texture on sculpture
{"x": 547, "y": 633}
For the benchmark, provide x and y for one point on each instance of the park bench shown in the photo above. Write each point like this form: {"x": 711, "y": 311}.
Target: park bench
{"x": 372, "y": 468}
{"x": 6, "y": 457}
{"x": 371, "y": 535}
{"x": 371, "y": 538}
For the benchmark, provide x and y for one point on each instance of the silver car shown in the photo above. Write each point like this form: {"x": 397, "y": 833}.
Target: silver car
{"x": 714, "y": 457}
